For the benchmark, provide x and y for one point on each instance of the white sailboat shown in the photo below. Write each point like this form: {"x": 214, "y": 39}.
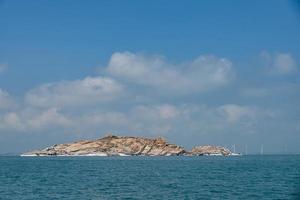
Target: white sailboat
{"x": 234, "y": 153}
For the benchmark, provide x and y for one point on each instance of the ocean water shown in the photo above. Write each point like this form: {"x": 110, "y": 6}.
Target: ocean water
{"x": 244, "y": 177}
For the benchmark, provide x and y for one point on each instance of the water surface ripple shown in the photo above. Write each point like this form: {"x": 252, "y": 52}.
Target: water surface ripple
{"x": 245, "y": 177}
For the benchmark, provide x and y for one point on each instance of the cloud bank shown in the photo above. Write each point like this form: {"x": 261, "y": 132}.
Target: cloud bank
{"x": 109, "y": 101}
{"x": 148, "y": 95}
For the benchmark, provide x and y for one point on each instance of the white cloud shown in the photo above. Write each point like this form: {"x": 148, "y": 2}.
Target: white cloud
{"x": 280, "y": 63}
{"x": 111, "y": 118}
{"x": 12, "y": 121}
{"x": 48, "y": 118}
{"x": 194, "y": 119}
{"x": 90, "y": 90}
{"x": 159, "y": 112}
{"x": 70, "y": 104}
{"x": 140, "y": 119}
{"x": 154, "y": 119}
{"x": 33, "y": 120}
{"x": 201, "y": 74}
{"x": 234, "y": 113}
{"x": 284, "y": 64}
{"x": 149, "y": 120}
{"x": 6, "y": 101}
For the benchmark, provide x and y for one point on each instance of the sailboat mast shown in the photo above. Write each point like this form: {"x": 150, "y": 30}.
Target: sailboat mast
{"x": 262, "y": 149}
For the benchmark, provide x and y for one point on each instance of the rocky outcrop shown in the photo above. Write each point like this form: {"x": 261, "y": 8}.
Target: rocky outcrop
{"x": 112, "y": 145}
{"x": 210, "y": 150}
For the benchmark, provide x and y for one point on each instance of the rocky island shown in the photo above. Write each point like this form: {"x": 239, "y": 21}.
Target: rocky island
{"x": 210, "y": 150}
{"x": 112, "y": 145}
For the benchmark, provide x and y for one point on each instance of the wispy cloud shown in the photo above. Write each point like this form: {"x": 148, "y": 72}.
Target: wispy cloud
{"x": 234, "y": 113}
{"x": 87, "y": 91}
{"x": 6, "y": 101}
{"x": 280, "y": 63}
{"x": 33, "y": 120}
{"x": 3, "y": 67}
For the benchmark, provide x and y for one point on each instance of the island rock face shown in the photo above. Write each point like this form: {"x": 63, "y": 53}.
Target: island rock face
{"x": 210, "y": 150}
{"x": 112, "y": 145}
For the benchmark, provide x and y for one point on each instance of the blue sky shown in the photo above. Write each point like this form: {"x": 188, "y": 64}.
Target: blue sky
{"x": 195, "y": 72}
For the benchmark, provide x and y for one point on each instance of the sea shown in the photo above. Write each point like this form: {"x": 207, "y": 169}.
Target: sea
{"x": 203, "y": 177}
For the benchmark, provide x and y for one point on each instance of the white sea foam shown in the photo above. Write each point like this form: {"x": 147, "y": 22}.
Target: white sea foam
{"x": 28, "y": 155}
{"x": 96, "y": 154}
{"x": 213, "y": 154}
{"x": 123, "y": 154}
